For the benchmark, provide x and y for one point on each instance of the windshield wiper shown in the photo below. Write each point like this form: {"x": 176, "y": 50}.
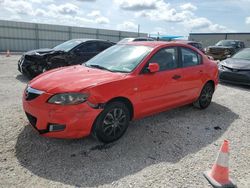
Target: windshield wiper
{"x": 98, "y": 67}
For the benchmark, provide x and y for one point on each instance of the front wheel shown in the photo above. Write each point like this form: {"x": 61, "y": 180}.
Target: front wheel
{"x": 205, "y": 97}
{"x": 112, "y": 123}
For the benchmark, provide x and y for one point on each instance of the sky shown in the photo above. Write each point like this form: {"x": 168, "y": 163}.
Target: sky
{"x": 173, "y": 17}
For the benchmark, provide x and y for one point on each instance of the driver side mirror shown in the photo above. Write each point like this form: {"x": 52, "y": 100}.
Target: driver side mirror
{"x": 153, "y": 67}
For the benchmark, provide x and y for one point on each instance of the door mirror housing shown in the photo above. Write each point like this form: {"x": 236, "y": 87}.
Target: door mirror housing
{"x": 153, "y": 67}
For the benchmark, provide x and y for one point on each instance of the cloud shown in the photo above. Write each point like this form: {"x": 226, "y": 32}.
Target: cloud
{"x": 87, "y": 0}
{"x": 248, "y": 20}
{"x": 41, "y": 1}
{"x": 102, "y": 20}
{"x": 128, "y": 26}
{"x": 98, "y": 18}
{"x": 67, "y": 8}
{"x": 164, "y": 12}
{"x": 188, "y": 6}
{"x": 204, "y": 25}
{"x": 18, "y": 7}
{"x": 159, "y": 10}
{"x": 94, "y": 13}
{"x": 133, "y": 5}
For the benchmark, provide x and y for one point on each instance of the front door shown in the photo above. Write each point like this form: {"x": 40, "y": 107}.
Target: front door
{"x": 85, "y": 52}
{"x": 160, "y": 90}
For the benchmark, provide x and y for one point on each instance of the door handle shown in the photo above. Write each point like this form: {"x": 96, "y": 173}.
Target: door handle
{"x": 176, "y": 77}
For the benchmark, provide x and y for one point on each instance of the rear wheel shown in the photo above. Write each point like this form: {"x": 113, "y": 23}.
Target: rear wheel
{"x": 112, "y": 123}
{"x": 205, "y": 97}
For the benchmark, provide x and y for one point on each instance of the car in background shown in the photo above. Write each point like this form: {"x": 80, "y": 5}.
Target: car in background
{"x": 125, "y": 40}
{"x": 125, "y": 82}
{"x": 237, "y": 68}
{"x": 72, "y": 52}
{"x": 224, "y": 49}
{"x": 195, "y": 44}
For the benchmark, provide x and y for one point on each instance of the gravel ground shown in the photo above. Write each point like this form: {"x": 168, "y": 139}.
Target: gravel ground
{"x": 170, "y": 149}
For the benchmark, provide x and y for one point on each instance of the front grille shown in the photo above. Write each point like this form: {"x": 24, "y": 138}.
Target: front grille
{"x": 216, "y": 51}
{"x": 31, "y": 119}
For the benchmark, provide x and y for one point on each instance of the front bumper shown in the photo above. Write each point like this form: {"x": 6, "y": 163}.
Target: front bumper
{"x": 76, "y": 119}
{"x": 237, "y": 77}
{"x": 217, "y": 56}
{"x": 29, "y": 68}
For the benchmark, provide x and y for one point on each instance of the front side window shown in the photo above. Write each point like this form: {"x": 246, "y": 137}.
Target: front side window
{"x": 104, "y": 46}
{"x": 89, "y": 47}
{"x": 166, "y": 58}
{"x": 190, "y": 57}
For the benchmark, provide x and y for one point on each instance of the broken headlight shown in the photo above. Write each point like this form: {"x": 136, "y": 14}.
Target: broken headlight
{"x": 68, "y": 98}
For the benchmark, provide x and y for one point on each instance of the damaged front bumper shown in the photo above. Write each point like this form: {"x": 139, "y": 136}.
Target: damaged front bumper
{"x": 29, "y": 68}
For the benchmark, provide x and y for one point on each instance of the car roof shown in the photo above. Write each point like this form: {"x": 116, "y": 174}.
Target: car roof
{"x": 153, "y": 44}
{"x": 187, "y": 41}
{"x": 231, "y": 40}
{"x": 86, "y": 40}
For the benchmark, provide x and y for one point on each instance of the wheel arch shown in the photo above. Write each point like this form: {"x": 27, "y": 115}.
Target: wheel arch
{"x": 212, "y": 82}
{"x": 126, "y": 101}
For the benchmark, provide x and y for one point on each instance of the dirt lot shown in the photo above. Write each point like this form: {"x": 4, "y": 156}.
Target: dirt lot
{"x": 170, "y": 149}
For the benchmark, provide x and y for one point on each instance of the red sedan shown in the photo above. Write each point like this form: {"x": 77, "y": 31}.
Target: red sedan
{"x": 125, "y": 82}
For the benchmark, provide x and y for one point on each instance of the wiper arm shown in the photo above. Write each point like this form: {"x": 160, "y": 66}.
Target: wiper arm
{"x": 99, "y": 67}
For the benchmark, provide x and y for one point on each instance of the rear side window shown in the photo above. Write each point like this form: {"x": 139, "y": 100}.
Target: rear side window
{"x": 166, "y": 58}
{"x": 190, "y": 57}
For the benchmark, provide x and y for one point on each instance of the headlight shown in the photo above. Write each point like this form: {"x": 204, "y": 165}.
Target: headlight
{"x": 221, "y": 67}
{"x": 68, "y": 98}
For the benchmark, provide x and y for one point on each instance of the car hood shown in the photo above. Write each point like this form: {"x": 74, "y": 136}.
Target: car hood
{"x": 72, "y": 79}
{"x": 236, "y": 63}
{"x": 39, "y": 51}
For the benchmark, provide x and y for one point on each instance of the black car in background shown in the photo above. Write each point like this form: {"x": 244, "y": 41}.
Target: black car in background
{"x": 72, "y": 52}
{"x": 237, "y": 68}
{"x": 224, "y": 49}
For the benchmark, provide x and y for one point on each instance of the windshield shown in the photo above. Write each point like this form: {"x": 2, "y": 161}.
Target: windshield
{"x": 120, "y": 58}
{"x": 68, "y": 45}
{"x": 243, "y": 54}
{"x": 226, "y": 43}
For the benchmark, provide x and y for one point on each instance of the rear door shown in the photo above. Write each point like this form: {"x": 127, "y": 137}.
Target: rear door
{"x": 192, "y": 72}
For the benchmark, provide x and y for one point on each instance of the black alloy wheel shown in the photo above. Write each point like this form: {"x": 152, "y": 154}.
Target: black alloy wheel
{"x": 112, "y": 123}
{"x": 205, "y": 97}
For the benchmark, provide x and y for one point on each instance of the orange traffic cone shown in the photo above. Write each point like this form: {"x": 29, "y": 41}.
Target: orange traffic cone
{"x": 219, "y": 175}
{"x": 8, "y": 53}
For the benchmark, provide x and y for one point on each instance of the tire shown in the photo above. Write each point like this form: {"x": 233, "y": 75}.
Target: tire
{"x": 112, "y": 122}
{"x": 205, "y": 97}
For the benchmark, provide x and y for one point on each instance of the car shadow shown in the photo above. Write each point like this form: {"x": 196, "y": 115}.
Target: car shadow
{"x": 166, "y": 137}
{"x": 22, "y": 78}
